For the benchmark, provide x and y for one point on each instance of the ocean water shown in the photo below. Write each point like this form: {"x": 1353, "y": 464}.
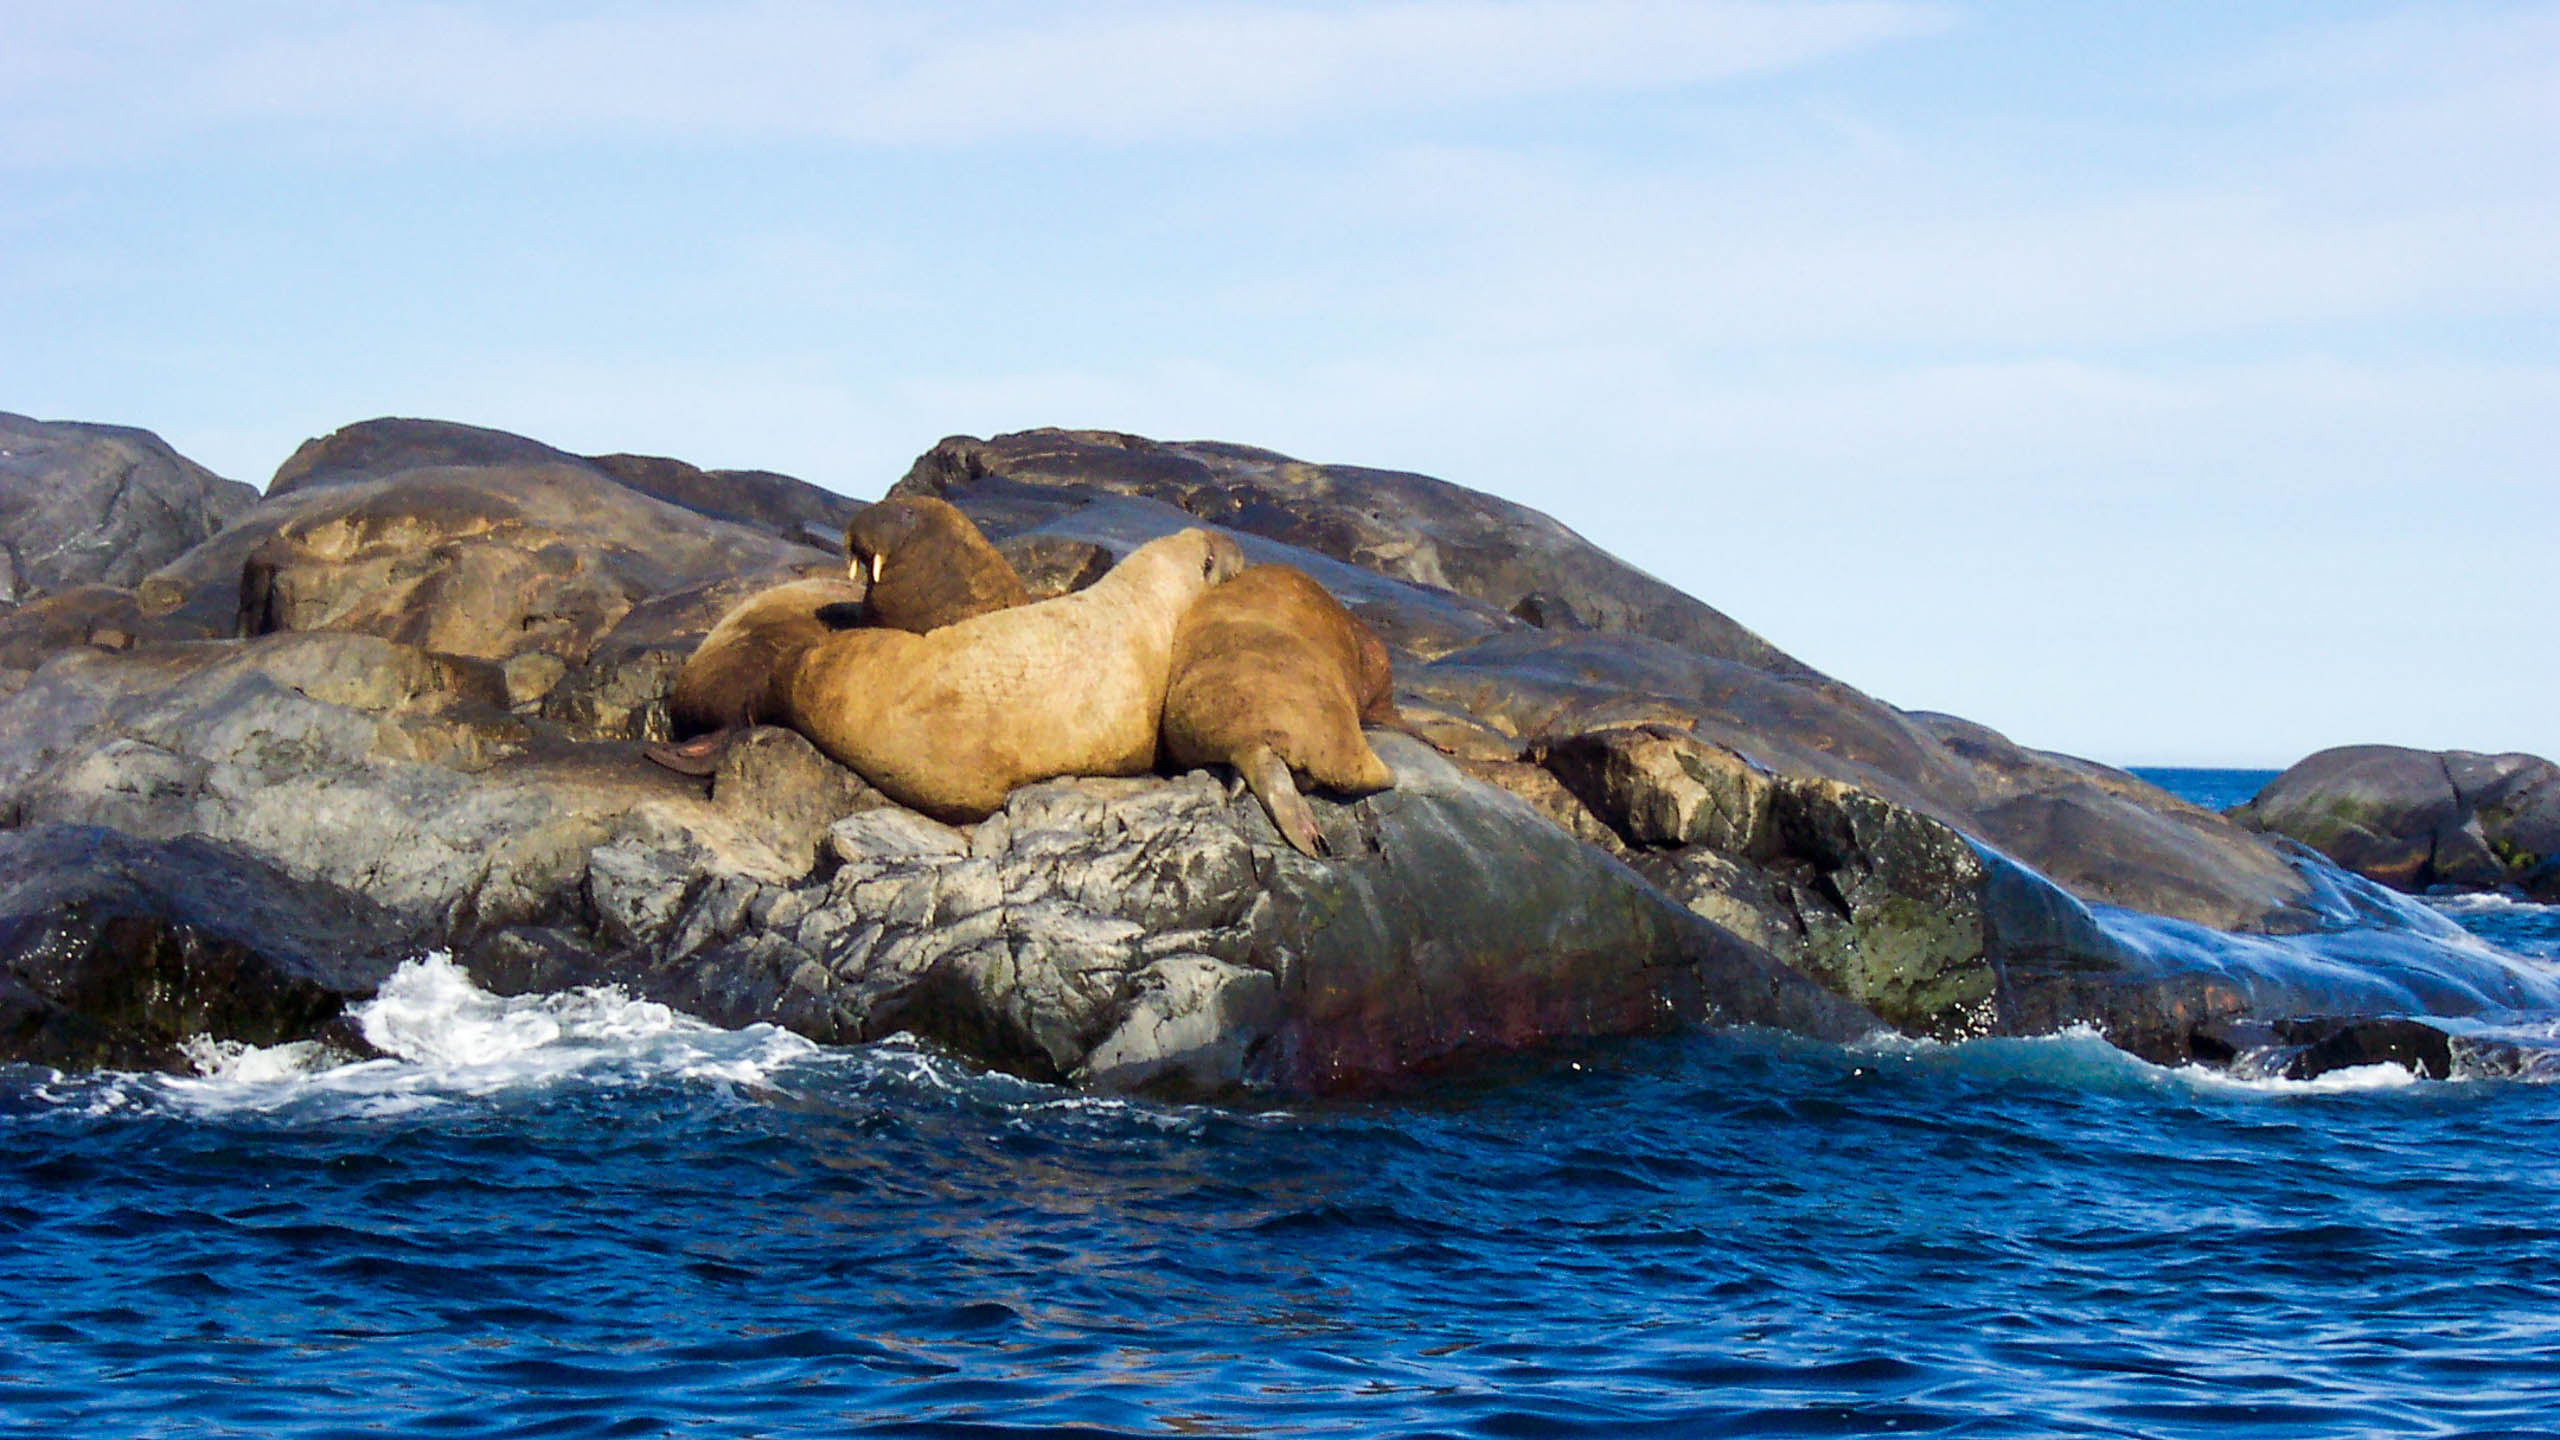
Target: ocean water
{"x": 579, "y": 1215}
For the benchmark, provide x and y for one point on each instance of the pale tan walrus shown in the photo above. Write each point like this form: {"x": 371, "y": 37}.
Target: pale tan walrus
{"x": 950, "y": 722}
{"x": 1272, "y": 676}
{"x": 915, "y": 563}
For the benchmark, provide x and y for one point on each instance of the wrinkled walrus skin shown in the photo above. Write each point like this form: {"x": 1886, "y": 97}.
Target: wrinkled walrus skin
{"x": 1273, "y": 677}
{"x": 927, "y": 565}
{"x": 951, "y": 721}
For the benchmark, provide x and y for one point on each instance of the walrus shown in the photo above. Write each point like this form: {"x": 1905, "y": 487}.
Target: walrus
{"x": 927, "y": 565}
{"x": 729, "y": 680}
{"x": 913, "y": 563}
{"x": 950, "y": 721}
{"x": 1273, "y": 677}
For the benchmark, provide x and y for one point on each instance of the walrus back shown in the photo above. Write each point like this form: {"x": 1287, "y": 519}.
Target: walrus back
{"x": 732, "y": 678}
{"x": 1271, "y": 659}
{"x": 949, "y": 722}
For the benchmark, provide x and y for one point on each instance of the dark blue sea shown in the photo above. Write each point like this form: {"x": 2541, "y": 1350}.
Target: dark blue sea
{"x": 581, "y": 1216}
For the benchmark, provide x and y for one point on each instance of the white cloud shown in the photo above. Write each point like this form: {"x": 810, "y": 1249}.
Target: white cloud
{"x": 146, "y": 74}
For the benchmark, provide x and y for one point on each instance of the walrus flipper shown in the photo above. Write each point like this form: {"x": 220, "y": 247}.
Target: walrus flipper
{"x": 700, "y": 755}
{"x": 1268, "y": 777}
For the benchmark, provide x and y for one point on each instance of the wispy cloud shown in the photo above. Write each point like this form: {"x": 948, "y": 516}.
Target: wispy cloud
{"x": 148, "y": 74}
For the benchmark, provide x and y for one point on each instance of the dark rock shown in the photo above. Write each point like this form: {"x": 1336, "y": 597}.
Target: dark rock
{"x": 1159, "y": 934}
{"x": 1407, "y": 527}
{"x": 117, "y": 952}
{"x": 372, "y": 449}
{"x": 759, "y": 499}
{"x": 1054, "y": 565}
{"x": 99, "y": 505}
{"x": 2417, "y": 819}
{"x": 2327, "y": 1045}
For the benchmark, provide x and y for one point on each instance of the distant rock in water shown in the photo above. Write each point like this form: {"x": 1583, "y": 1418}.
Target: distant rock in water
{"x": 2417, "y": 819}
{"x": 414, "y": 673}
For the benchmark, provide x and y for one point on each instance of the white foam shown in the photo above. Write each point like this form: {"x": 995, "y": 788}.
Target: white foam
{"x": 2350, "y": 1080}
{"x": 2487, "y": 902}
{"x": 2080, "y": 1055}
{"x": 447, "y": 1039}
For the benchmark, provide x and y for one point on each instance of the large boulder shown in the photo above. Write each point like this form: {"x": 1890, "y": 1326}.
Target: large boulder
{"x": 1407, "y": 527}
{"x": 786, "y": 508}
{"x": 1478, "y": 678}
{"x": 361, "y": 762}
{"x": 1158, "y": 934}
{"x": 99, "y": 505}
{"x": 2418, "y": 819}
{"x": 121, "y": 952}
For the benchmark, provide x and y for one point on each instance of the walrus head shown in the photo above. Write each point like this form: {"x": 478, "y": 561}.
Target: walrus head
{"x": 925, "y": 565}
{"x": 1222, "y": 561}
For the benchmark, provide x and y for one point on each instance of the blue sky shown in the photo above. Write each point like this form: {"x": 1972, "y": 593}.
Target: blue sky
{"x": 2161, "y": 382}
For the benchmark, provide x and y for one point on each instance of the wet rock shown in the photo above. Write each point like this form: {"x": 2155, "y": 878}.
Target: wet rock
{"x": 2417, "y": 819}
{"x": 117, "y": 952}
{"x": 99, "y": 505}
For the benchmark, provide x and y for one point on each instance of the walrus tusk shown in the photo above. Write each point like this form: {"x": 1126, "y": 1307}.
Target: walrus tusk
{"x": 876, "y": 557}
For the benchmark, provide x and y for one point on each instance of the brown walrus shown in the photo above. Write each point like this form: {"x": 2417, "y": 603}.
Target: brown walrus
{"x": 951, "y": 721}
{"x": 927, "y": 565}
{"x": 1272, "y": 676}
{"x": 915, "y": 564}
{"x": 728, "y": 681}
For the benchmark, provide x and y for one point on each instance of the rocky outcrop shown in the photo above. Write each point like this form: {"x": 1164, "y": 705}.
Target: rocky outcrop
{"x": 1407, "y": 527}
{"x": 1158, "y": 934}
{"x": 412, "y": 675}
{"x": 99, "y": 505}
{"x": 1476, "y": 677}
{"x": 1125, "y": 933}
{"x": 2417, "y": 820}
{"x": 779, "y": 505}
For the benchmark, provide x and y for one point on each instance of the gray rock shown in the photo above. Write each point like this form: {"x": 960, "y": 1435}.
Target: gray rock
{"x": 118, "y": 952}
{"x": 99, "y": 505}
{"x": 2417, "y": 819}
{"x": 360, "y": 762}
{"x": 1158, "y": 934}
{"x": 1409, "y": 527}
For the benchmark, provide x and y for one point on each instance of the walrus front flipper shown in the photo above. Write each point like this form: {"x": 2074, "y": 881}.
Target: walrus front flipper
{"x": 697, "y": 756}
{"x": 1268, "y": 777}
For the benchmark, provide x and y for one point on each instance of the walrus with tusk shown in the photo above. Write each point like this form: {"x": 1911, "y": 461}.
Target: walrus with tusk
{"x": 951, "y": 721}
{"x": 913, "y": 564}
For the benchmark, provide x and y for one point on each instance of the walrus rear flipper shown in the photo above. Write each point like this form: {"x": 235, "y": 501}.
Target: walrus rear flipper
{"x": 1268, "y": 777}
{"x": 698, "y": 756}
